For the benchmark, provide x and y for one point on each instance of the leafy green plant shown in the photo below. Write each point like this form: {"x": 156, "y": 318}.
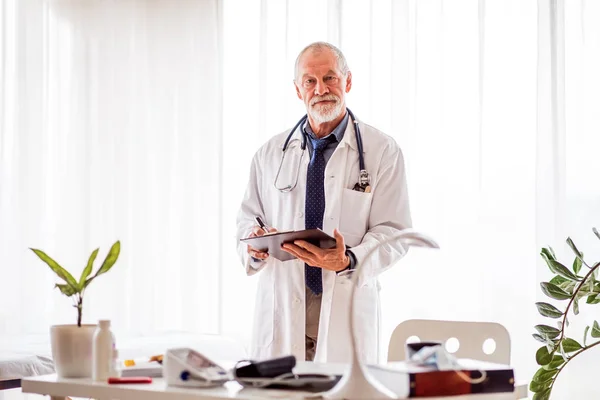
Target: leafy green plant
{"x": 76, "y": 289}
{"x": 569, "y": 286}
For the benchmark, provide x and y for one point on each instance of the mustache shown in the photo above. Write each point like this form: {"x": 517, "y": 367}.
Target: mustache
{"x": 327, "y": 97}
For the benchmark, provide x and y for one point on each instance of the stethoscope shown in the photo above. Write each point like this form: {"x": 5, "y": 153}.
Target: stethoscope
{"x": 363, "y": 176}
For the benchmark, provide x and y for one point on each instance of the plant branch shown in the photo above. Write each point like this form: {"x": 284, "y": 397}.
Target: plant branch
{"x": 573, "y": 297}
{"x": 570, "y": 358}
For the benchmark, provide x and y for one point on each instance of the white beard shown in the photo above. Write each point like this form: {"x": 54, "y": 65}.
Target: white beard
{"x": 326, "y": 112}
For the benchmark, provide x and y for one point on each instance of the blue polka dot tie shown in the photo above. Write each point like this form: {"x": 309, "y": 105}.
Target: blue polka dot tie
{"x": 314, "y": 206}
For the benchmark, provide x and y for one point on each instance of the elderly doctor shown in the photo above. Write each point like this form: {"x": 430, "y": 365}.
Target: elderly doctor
{"x": 302, "y": 304}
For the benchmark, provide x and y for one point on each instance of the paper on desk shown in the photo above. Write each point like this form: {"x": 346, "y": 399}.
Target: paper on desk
{"x": 152, "y": 369}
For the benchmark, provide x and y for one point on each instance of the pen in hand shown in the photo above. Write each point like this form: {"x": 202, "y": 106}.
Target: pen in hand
{"x": 261, "y": 224}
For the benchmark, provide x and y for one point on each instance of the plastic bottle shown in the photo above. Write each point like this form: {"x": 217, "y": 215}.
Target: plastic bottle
{"x": 115, "y": 370}
{"x": 102, "y": 351}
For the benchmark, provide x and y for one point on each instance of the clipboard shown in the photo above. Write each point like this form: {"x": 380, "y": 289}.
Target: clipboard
{"x": 272, "y": 242}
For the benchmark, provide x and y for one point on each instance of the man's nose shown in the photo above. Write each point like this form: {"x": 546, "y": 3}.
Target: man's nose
{"x": 321, "y": 88}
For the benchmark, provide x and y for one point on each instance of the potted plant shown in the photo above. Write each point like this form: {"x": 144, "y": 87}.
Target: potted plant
{"x": 570, "y": 287}
{"x": 71, "y": 344}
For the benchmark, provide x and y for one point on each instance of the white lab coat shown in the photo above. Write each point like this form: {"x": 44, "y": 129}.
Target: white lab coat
{"x": 363, "y": 219}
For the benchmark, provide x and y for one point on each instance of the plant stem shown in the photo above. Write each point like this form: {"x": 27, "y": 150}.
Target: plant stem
{"x": 570, "y": 358}
{"x": 79, "y": 310}
{"x": 573, "y": 297}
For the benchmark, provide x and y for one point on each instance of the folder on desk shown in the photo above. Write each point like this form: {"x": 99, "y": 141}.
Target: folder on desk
{"x": 429, "y": 382}
{"x": 272, "y": 242}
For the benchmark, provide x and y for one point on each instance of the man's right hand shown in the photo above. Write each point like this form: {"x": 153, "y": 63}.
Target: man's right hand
{"x": 258, "y": 231}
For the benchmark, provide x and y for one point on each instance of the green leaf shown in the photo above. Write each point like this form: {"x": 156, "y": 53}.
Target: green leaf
{"x": 557, "y": 280}
{"x": 595, "y": 330}
{"x": 577, "y": 265}
{"x": 593, "y": 299}
{"x": 548, "y": 254}
{"x": 543, "y": 375}
{"x": 556, "y": 362}
{"x": 88, "y": 269}
{"x": 570, "y": 345}
{"x": 563, "y": 271}
{"x": 110, "y": 259}
{"x": 60, "y": 271}
{"x": 542, "y": 395}
{"x": 562, "y": 351}
{"x": 554, "y": 291}
{"x": 548, "y": 310}
{"x": 535, "y": 386}
{"x": 539, "y": 338}
{"x": 551, "y": 346}
{"x": 587, "y": 328}
{"x": 568, "y": 287}
{"x": 575, "y": 307}
{"x": 547, "y": 331}
{"x": 574, "y": 248}
{"x": 542, "y": 356}
{"x": 66, "y": 289}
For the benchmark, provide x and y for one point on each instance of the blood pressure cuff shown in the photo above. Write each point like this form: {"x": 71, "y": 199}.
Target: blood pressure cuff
{"x": 266, "y": 369}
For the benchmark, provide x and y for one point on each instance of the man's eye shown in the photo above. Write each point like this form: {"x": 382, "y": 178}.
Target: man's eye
{"x": 309, "y": 81}
{"x": 330, "y": 78}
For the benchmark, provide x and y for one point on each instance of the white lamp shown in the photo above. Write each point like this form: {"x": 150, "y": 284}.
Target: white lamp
{"x": 357, "y": 382}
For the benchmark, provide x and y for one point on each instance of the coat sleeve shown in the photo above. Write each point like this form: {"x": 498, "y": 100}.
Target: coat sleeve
{"x": 251, "y": 207}
{"x": 390, "y": 213}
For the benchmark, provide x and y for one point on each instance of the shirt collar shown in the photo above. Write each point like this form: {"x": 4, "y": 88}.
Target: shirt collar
{"x": 338, "y": 131}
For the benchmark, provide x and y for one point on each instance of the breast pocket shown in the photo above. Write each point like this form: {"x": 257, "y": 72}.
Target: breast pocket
{"x": 354, "y": 217}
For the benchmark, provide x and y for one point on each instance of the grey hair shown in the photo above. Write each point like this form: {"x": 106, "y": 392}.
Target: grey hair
{"x": 319, "y": 46}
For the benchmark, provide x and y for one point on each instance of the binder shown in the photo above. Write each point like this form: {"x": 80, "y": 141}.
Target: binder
{"x": 272, "y": 242}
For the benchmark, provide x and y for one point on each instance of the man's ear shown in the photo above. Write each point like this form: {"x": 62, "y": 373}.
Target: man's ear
{"x": 298, "y": 91}
{"x": 348, "y": 81}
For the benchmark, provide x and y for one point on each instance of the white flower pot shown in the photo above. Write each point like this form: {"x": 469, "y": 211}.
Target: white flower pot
{"x": 72, "y": 350}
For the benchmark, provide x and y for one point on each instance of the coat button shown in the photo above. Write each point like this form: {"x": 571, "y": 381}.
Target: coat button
{"x": 300, "y": 214}
{"x": 296, "y": 300}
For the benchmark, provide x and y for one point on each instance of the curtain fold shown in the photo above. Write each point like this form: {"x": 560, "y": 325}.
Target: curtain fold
{"x": 109, "y": 132}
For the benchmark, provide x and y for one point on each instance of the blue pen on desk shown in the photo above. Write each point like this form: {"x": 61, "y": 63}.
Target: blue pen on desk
{"x": 261, "y": 224}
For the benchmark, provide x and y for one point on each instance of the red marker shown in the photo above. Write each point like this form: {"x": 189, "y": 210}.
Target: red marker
{"x": 130, "y": 379}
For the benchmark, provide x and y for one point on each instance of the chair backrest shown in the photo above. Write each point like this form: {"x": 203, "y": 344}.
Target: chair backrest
{"x": 471, "y": 337}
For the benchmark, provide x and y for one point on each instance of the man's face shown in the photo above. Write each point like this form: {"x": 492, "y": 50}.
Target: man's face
{"x": 321, "y": 85}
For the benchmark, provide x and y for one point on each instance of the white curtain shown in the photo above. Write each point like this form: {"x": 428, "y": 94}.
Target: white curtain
{"x": 110, "y": 121}
{"x": 457, "y": 89}
{"x": 469, "y": 90}
{"x": 137, "y": 120}
{"x": 568, "y": 197}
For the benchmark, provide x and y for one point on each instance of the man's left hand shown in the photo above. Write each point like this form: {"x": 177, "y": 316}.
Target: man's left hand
{"x": 331, "y": 259}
